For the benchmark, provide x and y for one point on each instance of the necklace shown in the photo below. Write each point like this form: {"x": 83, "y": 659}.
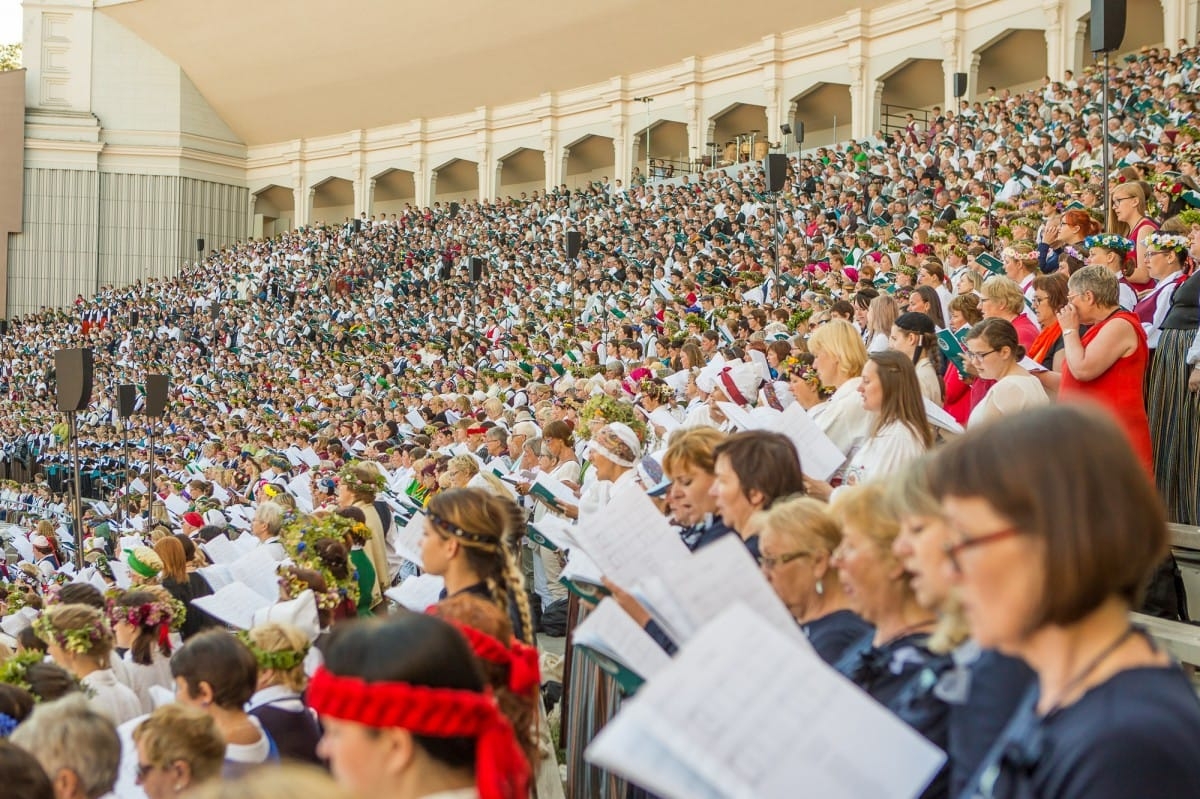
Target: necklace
{"x": 1087, "y": 670}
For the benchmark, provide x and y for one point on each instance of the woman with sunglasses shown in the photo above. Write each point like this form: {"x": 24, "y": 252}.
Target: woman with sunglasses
{"x": 1053, "y": 582}
{"x": 993, "y": 348}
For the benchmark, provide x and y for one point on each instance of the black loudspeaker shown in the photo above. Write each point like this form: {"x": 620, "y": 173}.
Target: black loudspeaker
{"x": 126, "y": 400}
{"x": 574, "y": 244}
{"x": 960, "y": 84}
{"x": 799, "y": 129}
{"x": 453, "y": 210}
{"x": 73, "y": 378}
{"x": 776, "y": 167}
{"x": 199, "y": 245}
{"x": 3, "y": 327}
{"x": 156, "y": 394}
{"x": 1108, "y": 25}
{"x": 358, "y": 224}
{"x": 476, "y": 269}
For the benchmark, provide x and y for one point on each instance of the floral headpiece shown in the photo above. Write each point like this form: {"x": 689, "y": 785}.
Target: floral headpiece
{"x": 79, "y": 640}
{"x": 803, "y": 369}
{"x": 171, "y": 613}
{"x": 279, "y": 660}
{"x": 1109, "y": 241}
{"x": 293, "y": 587}
{"x": 1013, "y": 254}
{"x": 350, "y": 478}
{"x": 15, "y": 670}
{"x": 1167, "y": 241}
{"x": 1075, "y": 252}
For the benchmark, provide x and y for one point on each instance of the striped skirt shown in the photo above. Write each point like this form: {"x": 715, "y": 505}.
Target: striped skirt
{"x": 1174, "y": 414}
{"x": 592, "y": 701}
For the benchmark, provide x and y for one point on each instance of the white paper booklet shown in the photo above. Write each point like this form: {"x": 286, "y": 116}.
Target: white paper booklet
{"x": 719, "y": 721}
{"x": 418, "y": 592}
{"x": 629, "y": 539}
{"x": 610, "y": 631}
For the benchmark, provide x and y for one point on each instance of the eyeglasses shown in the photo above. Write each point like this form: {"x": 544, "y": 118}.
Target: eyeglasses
{"x": 1116, "y": 200}
{"x": 770, "y": 564}
{"x": 979, "y": 356}
{"x": 953, "y": 551}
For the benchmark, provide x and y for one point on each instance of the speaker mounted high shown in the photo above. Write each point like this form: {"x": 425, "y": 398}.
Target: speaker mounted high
{"x": 1108, "y": 25}
{"x": 574, "y": 244}
{"x": 73, "y": 379}
{"x": 157, "y": 387}
{"x": 775, "y": 166}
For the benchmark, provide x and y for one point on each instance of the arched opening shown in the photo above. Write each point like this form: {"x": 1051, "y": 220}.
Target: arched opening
{"x": 333, "y": 201}
{"x": 394, "y": 188}
{"x": 457, "y": 181}
{"x": 589, "y": 159}
{"x": 1015, "y": 60}
{"x": 668, "y": 149}
{"x": 740, "y": 133}
{"x": 523, "y": 170}
{"x": 274, "y": 210}
{"x": 825, "y": 111}
{"x": 911, "y": 88}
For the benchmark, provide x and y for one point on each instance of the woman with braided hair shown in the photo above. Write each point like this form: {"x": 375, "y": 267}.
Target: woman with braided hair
{"x": 142, "y": 621}
{"x": 469, "y": 539}
{"x": 407, "y": 714}
{"x": 358, "y": 484}
{"x": 280, "y": 650}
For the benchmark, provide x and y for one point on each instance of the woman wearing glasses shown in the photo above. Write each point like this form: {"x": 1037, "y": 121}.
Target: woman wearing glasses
{"x": 1128, "y": 218}
{"x": 1107, "y": 365}
{"x": 1166, "y": 254}
{"x": 797, "y": 543}
{"x": 993, "y": 349}
{"x": 1052, "y": 581}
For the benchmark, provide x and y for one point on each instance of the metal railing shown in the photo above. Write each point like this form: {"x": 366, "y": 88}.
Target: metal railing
{"x": 893, "y": 118}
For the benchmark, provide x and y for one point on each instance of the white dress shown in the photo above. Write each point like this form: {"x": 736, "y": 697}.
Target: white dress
{"x": 141, "y": 677}
{"x": 1009, "y": 395}
{"x": 117, "y": 702}
{"x": 883, "y": 453}
{"x": 843, "y": 417}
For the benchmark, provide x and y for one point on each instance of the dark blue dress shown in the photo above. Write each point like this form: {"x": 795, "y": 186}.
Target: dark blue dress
{"x": 834, "y": 633}
{"x": 1136, "y": 735}
{"x": 884, "y": 672}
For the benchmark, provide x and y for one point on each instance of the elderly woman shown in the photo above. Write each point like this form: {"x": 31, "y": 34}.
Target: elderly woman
{"x": 265, "y": 526}
{"x": 981, "y": 705}
{"x": 797, "y": 543}
{"x": 178, "y": 748}
{"x": 993, "y": 348}
{"x": 838, "y": 357}
{"x": 1003, "y": 299}
{"x": 77, "y": 747}
{"x": 885, "y": 661}
{"x": 1107, "y": 364}
{"x": 1053, "y": 582}
{"x": 1049, "y": 296}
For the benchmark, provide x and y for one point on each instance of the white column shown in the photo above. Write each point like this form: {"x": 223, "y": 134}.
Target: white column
{"x": 693, "y": 113}
{"x": 1056, "y": 63}
{"x": 950, "y": 62}
{"x": 861, "y": 98}
{"x": 564, "y": 161}
{"x": 550, "y": 160}
{"x": 421, "y": 183}
{"x": 973, "y": 77}
{"x": 1077, "y": 48}
{"x": 622, "y": 169}
{"x": 360, "y": 191}
{"x": 1174, "y": 23}
{"x": 370, "y": 206}
{"x": 486, "y": 167}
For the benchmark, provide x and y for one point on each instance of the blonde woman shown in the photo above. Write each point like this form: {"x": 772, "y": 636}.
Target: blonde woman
{"x": 1128, "y": 218}
{"x": 280, "y": 650}
{"x": 178, "y": 748}
{"x": 881, "y": 315}
{"x": 79, "y": 639}
{"x": 838, "y": 358}
{"x": 797, "y": 540}
{"x": 357, "y": 486}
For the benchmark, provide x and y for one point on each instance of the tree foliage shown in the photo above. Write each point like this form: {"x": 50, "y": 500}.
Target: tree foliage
{"x": 10, "y": 56}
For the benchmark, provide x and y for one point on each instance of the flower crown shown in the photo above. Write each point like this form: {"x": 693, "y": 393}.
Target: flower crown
{"x": 149, "y": 614}
{"x": 350, "y": 478}
{"x": 1167, "y": 241}
{"x": 79, "y": 640}
{"x": 278, "y": 660}
{"x": 1012, "y": 254}
{"x": 15, "y": 670}
{"x": 330, "y": 599}
{"x": 1109, "y": 241}
{"x": 803, "y": 369}
{"x": 1075, "y": 253}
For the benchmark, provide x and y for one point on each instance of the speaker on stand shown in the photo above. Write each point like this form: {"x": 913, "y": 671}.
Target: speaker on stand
{"x": 776, "y": 174}
{"x": 1108, "y": 30}
{"x": 126, "y": 405}
{"x": 157, "y": 387}
{"x": 960, "y": 86}
{"x": 73, "y": 392}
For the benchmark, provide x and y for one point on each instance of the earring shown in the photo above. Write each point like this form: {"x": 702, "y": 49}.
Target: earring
{"x": 820, "y": 587}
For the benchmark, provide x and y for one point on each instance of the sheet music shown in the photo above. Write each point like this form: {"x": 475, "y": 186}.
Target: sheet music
{"x": 938, "y": 417}
{"x": 233, "y": 604}
{"x": 300, "y": 487}
{"x": 221, "y": 550}
{"x": 761, "y": 726}
{"x": 257, "y": 569}
{"x": 630, "y": 539}
{"x": 548, "y": 487}
{"x": 219, "y": 493}
{"x": 418, "y": 592}
{"x": 406, "y": 541}
{"x": 21, "y": 544}
{"x": 120, "y": 573}
{"x": 663, "y": 418}
{"x": 819, "y": 456}
{"x": 416, "y": 420}
{"x": 610, "y": 631}
{"x": 176, "y": 504}
{"x": 557, "y": 530}
{"x": 709, "y": 581}
{"x": 738, "y": 416}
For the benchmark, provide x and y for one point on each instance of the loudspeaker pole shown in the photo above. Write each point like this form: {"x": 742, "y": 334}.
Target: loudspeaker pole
{"x": 151, "y": 491}
{"x": 77, "y": 499}
{"x": 1104, "y": 148}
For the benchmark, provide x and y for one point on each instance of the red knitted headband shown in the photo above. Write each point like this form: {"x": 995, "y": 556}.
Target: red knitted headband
{"x": 501, "y": 770}
{"x": 523, "y": 672}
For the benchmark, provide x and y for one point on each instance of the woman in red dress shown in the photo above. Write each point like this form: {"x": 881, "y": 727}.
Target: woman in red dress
{"x": 1106, "y": 366}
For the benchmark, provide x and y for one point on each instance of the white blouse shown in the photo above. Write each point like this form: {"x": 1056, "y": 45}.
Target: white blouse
{"x": 1007, "y": 396}
{"x": 117, "y": 702}
{"x": 843, "y": 417}
{"x": 883, "y": 453}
